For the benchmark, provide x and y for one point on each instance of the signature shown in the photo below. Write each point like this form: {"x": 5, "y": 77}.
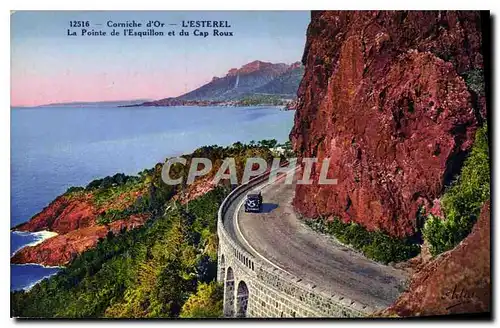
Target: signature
{"x": 458, "y": 296}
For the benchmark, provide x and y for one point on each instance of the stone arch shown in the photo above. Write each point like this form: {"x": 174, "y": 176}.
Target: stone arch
{"x": 229, "y": 293}
{"x": 241, "y": 300}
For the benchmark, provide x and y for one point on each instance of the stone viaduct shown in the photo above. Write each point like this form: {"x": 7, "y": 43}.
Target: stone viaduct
{"x": 254, "y": 288}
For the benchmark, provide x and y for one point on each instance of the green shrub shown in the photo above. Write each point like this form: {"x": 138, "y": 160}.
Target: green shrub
{"x": 71, "y": 190}
{"x": 384, "y": 248}
{"x": 463, "y": 200}
{"x": 373, "y": 244}
{"x": 112, "y": 215}
{"x": 475, "y": 81}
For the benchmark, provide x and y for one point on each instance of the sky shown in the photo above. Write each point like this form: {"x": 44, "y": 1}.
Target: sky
{"x": 48, "y": 66}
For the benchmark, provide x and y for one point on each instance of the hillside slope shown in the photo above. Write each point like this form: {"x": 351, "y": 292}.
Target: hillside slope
{"x": 253, "y": 79}
{"x": 149, "y": 248}
{"x": 286, "y": 83}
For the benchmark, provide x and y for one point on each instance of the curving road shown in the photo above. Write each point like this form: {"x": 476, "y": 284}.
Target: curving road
{"x": 278, "y": 237}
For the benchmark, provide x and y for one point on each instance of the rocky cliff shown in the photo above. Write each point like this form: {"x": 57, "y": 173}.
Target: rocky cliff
{"x": 62, "y": 215}
{"x": 388, "y": 97}
{"x": 75, "y": 221}
{"x": 62, "y": 249}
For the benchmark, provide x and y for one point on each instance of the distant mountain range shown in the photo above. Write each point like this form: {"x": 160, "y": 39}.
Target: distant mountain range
{"x": 256, "y": 83}
{"x": 111, "y": 103}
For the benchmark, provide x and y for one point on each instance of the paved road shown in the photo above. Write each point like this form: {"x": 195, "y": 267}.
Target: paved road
{"x": 278, "y": 236}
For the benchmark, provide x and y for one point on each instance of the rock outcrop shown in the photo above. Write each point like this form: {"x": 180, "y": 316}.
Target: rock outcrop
{"x": 62, "y": 249}
{"x": 457, "y": 281}
{"x": 62, "y": 216}
{"x": 384, "y": 97}
{"x": 258, "y": 65}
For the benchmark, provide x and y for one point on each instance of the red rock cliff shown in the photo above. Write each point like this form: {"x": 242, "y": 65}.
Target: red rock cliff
{"x": 62, "y": 249}
{"x": 75, "y": 221}
{"x": 383, "y": 97}
{"x": 62, "y": 215}
{"x": 258, "y": 65}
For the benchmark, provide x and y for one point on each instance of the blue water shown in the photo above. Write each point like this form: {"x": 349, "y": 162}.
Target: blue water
{"x": 18, "y": 239}
{"x": 53, "y": 148}
{"x": 25, "y": 276}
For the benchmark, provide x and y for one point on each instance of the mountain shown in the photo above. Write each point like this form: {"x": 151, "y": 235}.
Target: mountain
{"x": 258, "y": 81}
{"x": 286, "y": 83}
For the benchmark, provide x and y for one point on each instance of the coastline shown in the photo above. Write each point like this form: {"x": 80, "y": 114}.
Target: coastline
{"x": 40, "y": 236}
{"x": 40, "y": 265}
{"x": 29, "y": 275}
{"x": 29, "y": 287}
{"x": 204, "y": 105}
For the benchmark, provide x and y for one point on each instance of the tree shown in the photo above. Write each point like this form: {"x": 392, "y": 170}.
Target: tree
{"x": 463, "y": 200}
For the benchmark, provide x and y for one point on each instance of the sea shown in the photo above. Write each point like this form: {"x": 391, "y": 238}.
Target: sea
{"x": 53, "y": 148}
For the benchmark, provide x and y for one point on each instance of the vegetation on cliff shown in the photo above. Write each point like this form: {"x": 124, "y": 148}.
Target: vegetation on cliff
{"x": 463, "y": 200}
{"x": 108, "y": 191}
{"x": 456, "y": 282}
{"x": 263, "y": 100}
{"x": 475, "y": 81}
{"x": 150, "y": 271}
{"x": 461, "y": 205}
{"x": 375, "y": 245}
